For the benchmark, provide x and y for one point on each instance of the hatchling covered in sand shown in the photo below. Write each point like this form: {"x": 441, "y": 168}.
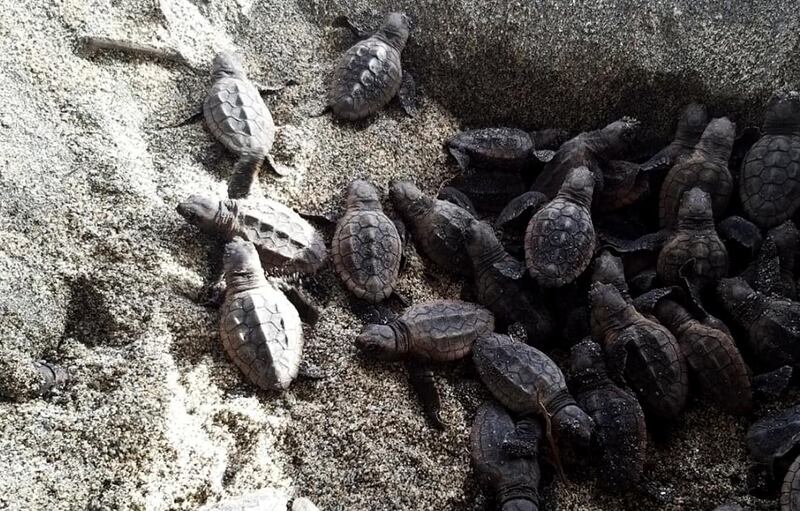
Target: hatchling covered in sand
{"x": 286, "y": 243}
{"x": 260, "y": 329}
{"x": 237, "y": 116}
{"x": 770, "y": 181}
{"x": 370, "y": 73}
{"x": 366, "y": 246}
{"x": 439, "y": 331}
{"x": 530, "y": 384}
{"x": 560, "y": 238}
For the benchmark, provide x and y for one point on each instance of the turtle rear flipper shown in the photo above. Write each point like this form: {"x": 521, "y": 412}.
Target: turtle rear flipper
{"x": 424, "y": 384}
{"x": 54, "y": 377}
{"x": 407, "y": 95}
{"x": 245, "y": 172}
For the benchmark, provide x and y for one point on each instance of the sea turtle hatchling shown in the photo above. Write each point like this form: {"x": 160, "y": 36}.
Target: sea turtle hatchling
{"x": 560, "y": 238}
{"x": 774, "y": 443}
{"x": 504, "y": 149}
{"x": 366, "y": 247}
{"x": 530, "y": 384}
{"x": 514, "y": 481}
{"x": 770, "y": 179}
{"x": 619, "y": 421}
{"x": 589, "y": 149}
{"x": 641, "y": 351}
{"x": 500, "y": 285}
{"x": 691, "y": 124}
{"x": 694, "y": 238}
{"x": 439, "y": 331}
{"x": 237, "y": 116}
{"x": 286, "y": 243}
{"x": 370, "y": 73}
{"x": 437, "y": 226}
{"x": 706, "y": 167}
{"x": 260, "y": 329}
{"x": 772, "y": 323}
{"x": 712, "y": 355}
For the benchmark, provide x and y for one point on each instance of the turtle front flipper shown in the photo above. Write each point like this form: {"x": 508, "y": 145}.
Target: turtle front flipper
{"x": 276, "y": 168}
{"x": 421, "y": 378}
{"x": 651, "y": 242}
{"x": 407, "y": 95}
{"x": 266, "y": 90}
{"x": 245, "y": 172}
{"x": 53, "y": 377}
{"x": 523, "y": 442}
{"x": 662, "y": 160}
{"x": 768, "y": 269}
{"x": 194, "y": 118}
{"x": 306, "y": 308}
{"x": 358, "y": 31}
{"x": 768, "y": 387}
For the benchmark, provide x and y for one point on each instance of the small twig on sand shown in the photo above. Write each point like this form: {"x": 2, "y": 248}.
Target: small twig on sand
{"x": 94, "y": 43}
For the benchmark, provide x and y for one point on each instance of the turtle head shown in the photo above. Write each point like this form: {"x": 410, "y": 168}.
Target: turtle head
{"x": 379, "y": 341}
{"x": 396, "y": 29}
{"x": 586, "y": 357}
{"x": 199, "y": 211}
{"x": 608, "y": 268}
{"x": 241, "y": 264}
{"x": 361, "y": 194}
{"x": 520, "y": 504}
{"x": 227, "y": 63}
{"x": 579, "y": 185}
{"x": 619, "y": 134}
{"x": 695, "y": 207}
{"x": 692, "y": 122}
{"x": 733, "y": 291}
{"x": 606, "y": 301}
{"x": 783, "y": 113}
{"x": 408, "y": 199}
{"x": 573, "y": 424}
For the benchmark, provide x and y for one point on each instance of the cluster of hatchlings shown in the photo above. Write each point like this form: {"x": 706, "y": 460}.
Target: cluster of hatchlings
{"x": 636, "y": 306}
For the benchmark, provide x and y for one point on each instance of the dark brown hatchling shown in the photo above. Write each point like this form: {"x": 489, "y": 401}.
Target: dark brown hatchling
{"x": 370, "y": 73}
{"x": 439, "y": 331}
{"x": 366, "y": 247}
{"x": 694, "y": 238}
{"x": 691, "y": 124}
{"x": 503, "y": 149}
{"x": 712, "y": 355}
{"x": 286, "y": 243}
{"x": 260, "y": 329}
{"x": 237, "y": 116}
{"x": 437, "y": 226}
{"x": 770, "y": 181}
{"x": 641, "y": 352}
{"x": 530, "y": 384}
{"x": 706, "y": 168}
{"x": 560, "y": 238}
{"x": 619, "y": 420}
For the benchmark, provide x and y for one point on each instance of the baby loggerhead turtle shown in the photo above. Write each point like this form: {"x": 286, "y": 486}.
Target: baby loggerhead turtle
{"x": 259, "y": 327}
{"x": 504, "y": 149}
{"x": 770, "y": 181}
{"x": 370, "y": 73}
{"x": 691, "y": 124}
{"x": 439, "y": 331}
{"x": 366, "y": 246}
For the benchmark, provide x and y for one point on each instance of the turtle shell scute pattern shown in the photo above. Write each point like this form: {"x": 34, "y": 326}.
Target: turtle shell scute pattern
{"x": 708, "y": 251}
{"x": 445, "y": 329}
{"x": 519, "y": 376}
{"x": 770, "y": 182}
{"x": 790, "y": 489}
{"x": 658, "y": 372}
{"x": 367, "y": 77}
{"x": 559, "y": 243}
{"x": 262, "y": 333}
{"x": 439, "y": 233}
{"x": 366, "y": 251}
{"x": 495, "y": 145}
{"x": 719, "y": 366}
{"x": 286, "y": 243}
{"x": 238, "y": 117}
{"x": 707, "y": 175}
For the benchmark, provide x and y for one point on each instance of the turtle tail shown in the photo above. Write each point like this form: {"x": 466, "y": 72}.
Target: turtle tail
{"x": 245, "y": 172}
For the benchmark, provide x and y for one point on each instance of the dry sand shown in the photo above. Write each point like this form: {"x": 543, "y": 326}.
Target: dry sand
{"x": 100, "y": 274}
